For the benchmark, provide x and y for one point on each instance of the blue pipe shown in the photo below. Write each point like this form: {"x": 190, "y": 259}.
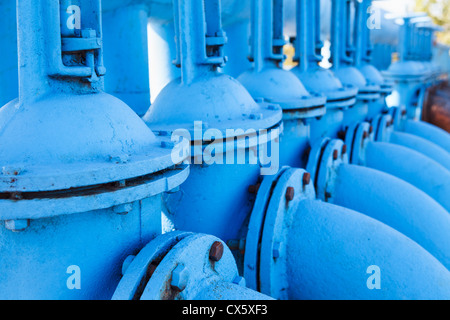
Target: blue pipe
{"x": 410, "y": 215}
{"x": 423, "y": 146}
{"x": 419, "y": 170}
{"x": 391, "y": 158}
{"x": 285, "y": 236}
{"x": 429, "y": 132}
{"x": 349, "y": 243}
{"x": 396, "y": 202}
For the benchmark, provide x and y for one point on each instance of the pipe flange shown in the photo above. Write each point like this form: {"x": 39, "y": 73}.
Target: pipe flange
{"x": 308, "y": 107}
{"x": 324, "y": 162}
{"x": 356, "y": 140}
{"x": 399, "y": 116}
{"x": 369, "y": 93}
{"x": 255, "y": 229}
{"x": 44, "y": 205}
{"x": 384, "y": 128}
{"x": 277, "y": 200}
{"x": 343, "y": 98}
{"x": 141, "y": 268}
{"x": 292, "y": 187}
{"x": 177, "y": 266}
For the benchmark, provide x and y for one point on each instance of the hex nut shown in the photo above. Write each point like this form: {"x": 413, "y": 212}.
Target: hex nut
{"x": 180, "y": 277}
{"x": 17, "y": 225}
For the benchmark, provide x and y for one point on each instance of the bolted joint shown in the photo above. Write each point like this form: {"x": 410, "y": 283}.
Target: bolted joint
{"x": 180, "y": 278}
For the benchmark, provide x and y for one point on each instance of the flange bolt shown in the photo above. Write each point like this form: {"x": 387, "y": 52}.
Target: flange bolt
{"x": 290, "y": 194}
{"x": 216, "y": 251}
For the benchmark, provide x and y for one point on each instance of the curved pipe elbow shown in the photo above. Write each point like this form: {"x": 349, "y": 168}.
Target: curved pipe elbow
{"x": 397, "y": 204}
{"x": 332, "y": 252}
{"x": 429, "y": 132}
{"x": 411, "y": 166}
{"x": 423, "y": 146}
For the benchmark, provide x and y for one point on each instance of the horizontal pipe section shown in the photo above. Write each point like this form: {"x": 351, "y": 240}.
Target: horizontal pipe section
{"x": 413, "y": 167}
{"x": 430, "y": 132}
{"x": 423, "y": 146}
{"x": 397, "y": 204}
{"x": 332, "y": 250}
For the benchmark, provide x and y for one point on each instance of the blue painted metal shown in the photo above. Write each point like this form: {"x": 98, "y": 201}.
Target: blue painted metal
{"x": 287, "y": 255}
{"x": 358, "y": 136}
{"x": 415, "y": 214}
{"x": 86, "y": 171}
{"x": 407, "y": 74}
{"x": 178, "y": 266}
{"x": 317, "y": 79}
{"x": 419, "y": 170}
{"x": 219, "y": 102}
{"x": 8, "y": 42}
{"x": 343, "y": 60}
{"x": 269, "y": 82}
{"x": 126, "y": 54}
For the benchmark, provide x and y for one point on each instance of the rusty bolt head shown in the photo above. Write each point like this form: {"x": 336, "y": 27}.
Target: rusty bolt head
{"x": 290, "y": 193}
{"x": 404, "y": 112}
{"x": 335, "y": 154}
{"x": 216, "y": 251}
{"x": 306, "y": 178}
{"x": 344, "y": 149}
{"x": 365, "y": 135}
{"x": 370, "y": 129}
